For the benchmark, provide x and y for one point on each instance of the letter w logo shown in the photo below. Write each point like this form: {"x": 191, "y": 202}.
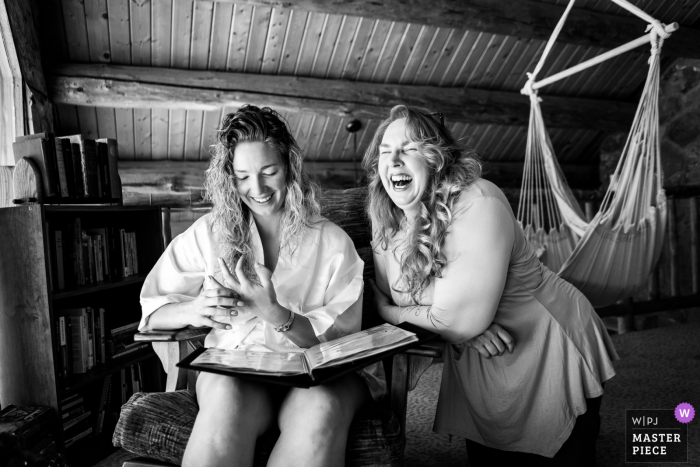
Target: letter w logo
{"x": 685, "y": 413}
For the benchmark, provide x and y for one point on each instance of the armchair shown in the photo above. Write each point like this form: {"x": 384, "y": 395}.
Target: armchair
{"x": 158, "y": 425}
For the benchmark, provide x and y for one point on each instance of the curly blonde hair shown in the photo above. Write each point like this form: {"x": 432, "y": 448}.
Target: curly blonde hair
{"x": 231, "y": 217}
{"x": 452, "y": 168}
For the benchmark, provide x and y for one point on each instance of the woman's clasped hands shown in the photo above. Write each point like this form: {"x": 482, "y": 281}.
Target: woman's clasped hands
{"x": 258, "y": 299}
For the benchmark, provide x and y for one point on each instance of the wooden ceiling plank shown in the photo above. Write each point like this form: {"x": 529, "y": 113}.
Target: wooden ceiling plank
{"x": 88, "y": 122}
{"x": 257, "y": 39}
{"x": 310, "y": 43}
{"x": 389, "y": 47}
{"x": 242, "y": 21}
{"x": 411, "y": 67}
{"x": 475, "y": 51}
{"x": 430, "y": 57}
{"x": 138, "y": 87}
{"x": 303, "y": 133}
{"x": 360, "y": 44}
{"x": 459, "y": 54}
{"x": 524, "y": 18}
{"x": 140, "y": 24}
{"x": 480, "y": 69}
{"x": 76, "y": 30}
{"x": 52, "y": 33}
{"x": 372, "y": 51}
{"x": 202, "y": 24}
{"x": 403, "y": 54}
{"x": 315, "y": 134}
{"x": 98, "y": 31}
{"x": 161, "y": 37}
{"x": 328, "y": 42}
{"x": 119, "y": 34}
{"x": 212, "y": 121}
{"x": 498, "y": 61}
{"x": 526, "y": 62}
{"x": 347, "y": 35}
{"x": 276, "y": 36}
{"x": 181, "y": 38}
{"x": 294, "y": 35}
{"x": 120, "y": 47}
{"x": 67, "y": 119}
{"x": 106, "y": 122}
{"x": 443, "y": 57}
{"x": 220, "y": 36}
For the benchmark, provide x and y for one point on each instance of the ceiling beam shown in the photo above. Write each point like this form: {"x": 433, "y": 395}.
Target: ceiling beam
{"x": 100, "y": 85}
{"x": 519, "y": 18}
{"x": 180, "y": 183}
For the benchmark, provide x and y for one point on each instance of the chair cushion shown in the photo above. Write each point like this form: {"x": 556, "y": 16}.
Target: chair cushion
{"x": 157, "y": 425}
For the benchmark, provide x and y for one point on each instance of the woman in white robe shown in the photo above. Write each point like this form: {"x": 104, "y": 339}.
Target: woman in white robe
{"x": 265, "y": 271}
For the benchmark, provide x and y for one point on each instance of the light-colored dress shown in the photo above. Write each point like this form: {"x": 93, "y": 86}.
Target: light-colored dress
{"x": 526, "y": 401}
{"x": 321, "y": 280}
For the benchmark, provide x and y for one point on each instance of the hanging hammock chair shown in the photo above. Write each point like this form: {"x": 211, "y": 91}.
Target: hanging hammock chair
{"x": 610, "y": 257}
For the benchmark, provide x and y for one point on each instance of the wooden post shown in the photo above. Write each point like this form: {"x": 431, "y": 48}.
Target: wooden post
{"x": 167, "y": 232}
{"x": 694, "y": 266}
{"x": 673, "y": 246}
{"x": 399, "y": 392}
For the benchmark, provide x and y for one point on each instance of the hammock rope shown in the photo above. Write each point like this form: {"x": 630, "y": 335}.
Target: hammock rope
{"x": 610, "y": 257}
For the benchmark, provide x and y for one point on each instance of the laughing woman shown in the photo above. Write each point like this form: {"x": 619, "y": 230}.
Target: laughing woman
{"x": 451, "y": 258}
{"x": 265, "y": 272}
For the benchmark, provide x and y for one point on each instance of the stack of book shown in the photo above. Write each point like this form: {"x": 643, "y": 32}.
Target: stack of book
{"x": 32, "y": 425}
{"x": 120, "y": 341}
{"x": 76, "y": 418}
{"x": 73, "y": 169}
{"x": 79, "y": 256}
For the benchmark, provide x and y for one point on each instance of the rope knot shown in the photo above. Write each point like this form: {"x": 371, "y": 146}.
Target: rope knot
{"x": 527, "y": 88}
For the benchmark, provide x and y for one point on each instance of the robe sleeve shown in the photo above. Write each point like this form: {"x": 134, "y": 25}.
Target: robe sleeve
{"x": 179, "y": 274}
{"x": 341, "y": 313}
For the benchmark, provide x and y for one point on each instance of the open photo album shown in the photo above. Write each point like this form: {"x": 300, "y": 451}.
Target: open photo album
{"x": 360, "y": 345}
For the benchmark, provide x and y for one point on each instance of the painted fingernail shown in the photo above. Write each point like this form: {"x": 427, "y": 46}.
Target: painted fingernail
{"x": 239, "y": 303}
{"x": 228, "y": 328}
{"x": 234, "y": 313}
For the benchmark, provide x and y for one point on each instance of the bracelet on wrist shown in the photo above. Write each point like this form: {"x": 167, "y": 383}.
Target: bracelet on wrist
{"x": 285, "y": 327}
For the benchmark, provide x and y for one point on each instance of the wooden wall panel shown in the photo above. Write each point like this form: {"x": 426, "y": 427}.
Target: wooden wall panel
{"x": 87, "y": 120}
{"x": 489, "y": 63}
{"x": 119, "y": 31}
{"x": 257, "y": 39}
{"x": 327, "y": 44}
{"x": 399, "y": 58}
{"x": 417, "y": 52}
{"x": 347, "y": 36}
{"x": 294, "y": 35}
{"x": 67, "y": 119}
{"x": 459, "y": 59}
{"x": 275, "y": 41}
{"x": 106, "y": 122}
{"x": 374, "y": 50}
{"x": 220, "y": 36}
{"x": 140, "y": 23}
{"x": 76, "y": 30}
{"x": 310, "y": 43}
{"x": 161, "y": 29}
{"x": 98, "y": 31}
{"x": 242, "y": 22}
{"x": 424, "y": 70}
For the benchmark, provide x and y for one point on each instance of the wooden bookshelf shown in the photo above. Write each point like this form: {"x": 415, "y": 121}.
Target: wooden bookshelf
{"x": 30, "y": 303}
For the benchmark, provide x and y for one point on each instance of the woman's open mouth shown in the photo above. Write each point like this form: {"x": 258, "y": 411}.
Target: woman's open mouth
{"x": 400, "y": 182}
{"x": 262, "y": 200}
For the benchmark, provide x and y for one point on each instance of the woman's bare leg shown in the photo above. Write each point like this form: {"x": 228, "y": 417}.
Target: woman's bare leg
{"x": 232, "y": 414}
{"x": 314, "y": 423}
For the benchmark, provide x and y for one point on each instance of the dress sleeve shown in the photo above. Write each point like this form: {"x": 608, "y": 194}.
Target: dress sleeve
{"x": 178, "y": 275}
{"x": 477, "y": 247}
{"x": 341, "y": 313}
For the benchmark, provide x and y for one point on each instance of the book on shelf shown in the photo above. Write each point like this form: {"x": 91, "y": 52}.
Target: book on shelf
{"x": 61, "y": 166}
{"x": 368, "y": 343}
{"x": 75, "y": 419}
{"x": 83, "y": 434}
{"x": 71, "y": 402}
{"x": 89, "y": 164}
{"x": 77, "y": 170}
{"x": 80, "y": 346}
{"x": 40, "y": 148}
{"x": 103, "y": 403}
{"x": 112, "y": 152}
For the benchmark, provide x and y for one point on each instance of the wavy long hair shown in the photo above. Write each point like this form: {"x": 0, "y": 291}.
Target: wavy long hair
{"x": 231, "y": 217}
{"x": 451, "y": 167}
